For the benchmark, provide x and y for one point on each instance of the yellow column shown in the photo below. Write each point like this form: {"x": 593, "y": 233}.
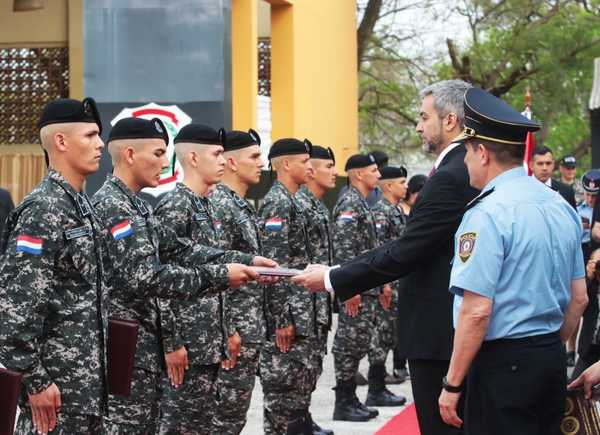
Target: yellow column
{"x": 244, "y": 63}
{"x": 314, "y": 82}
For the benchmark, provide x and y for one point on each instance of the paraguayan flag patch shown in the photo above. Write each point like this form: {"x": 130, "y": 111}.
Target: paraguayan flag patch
{"x": 31, "y": 245}
{"x": 346, "y": 216}
{"x": 274, "y": 224}
{"x": 121, "y": 230}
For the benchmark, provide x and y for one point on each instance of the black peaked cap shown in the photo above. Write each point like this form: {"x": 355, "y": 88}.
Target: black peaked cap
{"x": 358, "y": 161}
{"x": 65, "y": 110}
{"x": 289, "y": 147}
{"x": 391, "y": 172}
{"x": 236, "y": 140}
{"x": 319, "y": 152}
{"x": 489, "y": 118}
{"x": 139, "y": 128}
{"x": 591, "y": 181}
{"x": 201, "y": 134}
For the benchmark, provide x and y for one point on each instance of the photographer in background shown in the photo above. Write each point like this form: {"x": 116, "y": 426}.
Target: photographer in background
{"x": 589, "y": 337}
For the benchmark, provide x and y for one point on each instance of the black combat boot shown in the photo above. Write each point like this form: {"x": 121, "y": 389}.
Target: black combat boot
{"x": 378, "y": 394}
{"x": 316, "y": 429}
{"x": 299, "y": 424}
{"x": 346, "y": 408}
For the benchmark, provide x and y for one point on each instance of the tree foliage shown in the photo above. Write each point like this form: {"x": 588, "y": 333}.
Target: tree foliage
{"x": 503, "y": 46}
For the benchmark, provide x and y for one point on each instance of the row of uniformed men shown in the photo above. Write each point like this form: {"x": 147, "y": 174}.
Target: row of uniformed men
{"x": 68, "y": 263}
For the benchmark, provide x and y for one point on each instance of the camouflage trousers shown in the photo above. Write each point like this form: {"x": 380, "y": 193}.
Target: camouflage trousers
{"x": 187, "y": 410}
{"x": 234, "y": 391}
{"x": 319, "y": 355}
{"x": 68, "y": 424}
{"x": 136, "y": 414}
{"x": 383, "y": 341}
{"x": 355, "y": 337}
{"x": 287, "y": 380}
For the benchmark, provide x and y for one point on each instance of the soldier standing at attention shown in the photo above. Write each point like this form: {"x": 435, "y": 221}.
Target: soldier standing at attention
{"x": 194, "y": 332}
{"x": 138, "y": 151}
{"x": 287, "y": 362}
{"x": 53, "y": 292}
{"x": 389, "y": 222}
{"x": 321, "y": 178}
{"x": 244, "y": 309}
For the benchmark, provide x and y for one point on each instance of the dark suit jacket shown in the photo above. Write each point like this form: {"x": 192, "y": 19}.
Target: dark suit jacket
{"x": 6, "y": 206}
{"x": 423, "y": 253}
{"x": 565, "y": 191}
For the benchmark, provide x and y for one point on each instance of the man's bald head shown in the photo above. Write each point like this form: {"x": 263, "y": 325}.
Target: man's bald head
{"x": 183, "y": 150}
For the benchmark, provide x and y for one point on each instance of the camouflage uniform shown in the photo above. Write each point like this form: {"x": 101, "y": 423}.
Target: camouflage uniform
{"x": 53, "y": 303}
{"x": 390, "y": 223}
{"x": 287, "y": 377}
{"x": 244, "y": 310}
{"x": 138, "y": 278}
{"x": 354, "y": 233}
{"x": 316, "y": 216}
{"x": 197, "y": 324}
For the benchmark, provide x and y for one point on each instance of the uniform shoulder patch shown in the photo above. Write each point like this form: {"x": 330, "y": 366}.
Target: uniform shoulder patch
{"x": 121, "y": 230}
{"x": 274, "y": 224}
{"x": 346, "y": 216}
{"x": 466, "y": 244}
{"x": 29, "y": 244}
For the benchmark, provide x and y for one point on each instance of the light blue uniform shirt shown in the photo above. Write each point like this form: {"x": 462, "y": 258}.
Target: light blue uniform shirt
{"x": 521, "y": 247}
{"x": 585, "y": 212}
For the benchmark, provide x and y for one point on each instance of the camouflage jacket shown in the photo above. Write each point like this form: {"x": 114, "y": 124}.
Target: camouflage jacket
{"x": 54, "y": 296}
{"x": 285, "y": 240}
{"x": 316, "y": 216}
{"x": 138, "y": 275}
{"x": 390, "y": 222}
{"x": 199, "y": 324}
{"x": 353, "y": 231}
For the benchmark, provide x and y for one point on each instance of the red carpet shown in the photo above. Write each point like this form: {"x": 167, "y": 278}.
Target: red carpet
{"x": 405, "y": 423}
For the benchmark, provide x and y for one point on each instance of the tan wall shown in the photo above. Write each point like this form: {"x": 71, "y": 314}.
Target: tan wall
{"x": 47, "y": 26}
{"x": 21, "y": 168}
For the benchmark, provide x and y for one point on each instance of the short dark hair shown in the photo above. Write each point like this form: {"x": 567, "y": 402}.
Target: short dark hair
{"x": 541, "y": 150}
{"x": 415, "y": 184}
{"x": 505, "y": 154}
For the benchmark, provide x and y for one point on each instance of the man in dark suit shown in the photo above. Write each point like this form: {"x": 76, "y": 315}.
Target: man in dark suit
{"x": 423, "y": 254}
{"x": 542, "y": 166}
{"x": 6, "y": 206}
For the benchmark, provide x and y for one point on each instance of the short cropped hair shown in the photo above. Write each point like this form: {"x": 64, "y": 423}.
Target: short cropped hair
{"x": 448, "y": 97}
{"x": 505, "y": 154}
{"x": 542, "y": 150}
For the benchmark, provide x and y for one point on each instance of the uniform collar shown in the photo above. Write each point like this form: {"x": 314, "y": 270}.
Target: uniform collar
{"x": 138, "y": 202}
{"x": 311, "y": 196}
{"x": 504, "y": 177}
{"x": 444, "y": 153}
{"x": 240, "y": 201}
{"x": 81, "y": 200}
{"x": 357, "y": 193}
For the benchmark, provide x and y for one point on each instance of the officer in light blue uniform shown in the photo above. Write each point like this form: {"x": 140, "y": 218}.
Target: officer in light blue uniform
{"x": 591, "y": 184}
{"x": 518, "y": 280}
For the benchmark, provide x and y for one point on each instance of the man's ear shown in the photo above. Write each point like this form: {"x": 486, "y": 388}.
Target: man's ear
{"x": 129, "y": 155}
{"x": 59, "y": 142}
{"x": 231, "y": 163}
{"x": 451, "y": 121}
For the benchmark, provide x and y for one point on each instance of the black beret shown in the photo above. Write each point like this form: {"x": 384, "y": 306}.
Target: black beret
{"x": 591, "y": 181}
{"x": 66, "y": 110}
{"x": 236, "y": 140}
{"x": 319, "y": 152}
{"x": 390, "y": 172}
{"x": 568, "y": 162}
{"x": 201, "y": 134}
{"x": 290, "y": 146}
{"x": 358, "y": 161}
{"x": 381, "y": 158}
{"x": 489, "y": 118}
{"x": 139, "y": 128}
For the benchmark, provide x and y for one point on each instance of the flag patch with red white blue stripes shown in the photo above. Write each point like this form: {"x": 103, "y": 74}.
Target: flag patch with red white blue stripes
{"x": 274, "y": 224}
{"x": 31, "y": 245}
{"x": 346, "y": 216}
{"x": 121, "y": 230}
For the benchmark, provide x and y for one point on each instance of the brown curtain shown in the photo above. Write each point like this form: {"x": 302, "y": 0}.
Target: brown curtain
{"x": 20, "y": 172}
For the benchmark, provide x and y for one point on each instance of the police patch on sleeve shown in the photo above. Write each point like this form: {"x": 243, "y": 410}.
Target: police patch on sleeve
{"x": 466, "y": 243}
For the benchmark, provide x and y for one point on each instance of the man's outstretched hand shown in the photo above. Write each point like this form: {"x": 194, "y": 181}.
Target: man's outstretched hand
{"x": 313, "y": 277}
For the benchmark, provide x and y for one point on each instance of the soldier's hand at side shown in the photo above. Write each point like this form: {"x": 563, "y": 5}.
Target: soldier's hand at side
{"x": 177, "y": 364}
{"x": 352, "y": 306}
{"x": 234, "y": 345}
{"x": 385, "y": 298}
{"x": 284, "y": 338}
{"x": 589, "y": 378}
{"x": 44, "y": 407}
{"x": 240, "y": 274}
